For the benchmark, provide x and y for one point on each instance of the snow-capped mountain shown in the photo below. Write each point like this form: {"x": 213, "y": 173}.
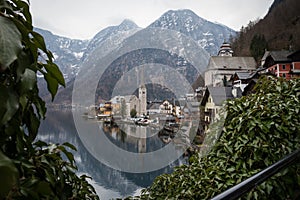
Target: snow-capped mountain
{"x": 67, "y": 52}
{"x": 126, "y": 26}
{"x": 208, "y": 35}
{"x": 73, "y": 55}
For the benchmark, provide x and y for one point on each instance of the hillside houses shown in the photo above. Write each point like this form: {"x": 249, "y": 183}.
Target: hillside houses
{"x": 283, "y": 63}
{"x": 225, "y": 78}
{"x": 229, "y": 77}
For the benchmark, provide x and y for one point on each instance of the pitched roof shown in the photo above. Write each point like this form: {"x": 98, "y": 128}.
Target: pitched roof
{"x": 244, "y": 75}
{"x": 219, "y": 94}
{"x": 280, "y": 56}
{"x": 227, "y": 62}
{"x": 277, "y": 56}
{"x": 129, "y": 98}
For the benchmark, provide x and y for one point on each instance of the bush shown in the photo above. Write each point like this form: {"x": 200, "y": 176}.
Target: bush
{"x": 259, "y": 130}
{"x": 30, "y": 169}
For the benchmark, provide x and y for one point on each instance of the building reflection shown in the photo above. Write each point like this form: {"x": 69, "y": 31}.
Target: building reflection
{"x": 134, "y": 138}
{"x": 59, "y": 128}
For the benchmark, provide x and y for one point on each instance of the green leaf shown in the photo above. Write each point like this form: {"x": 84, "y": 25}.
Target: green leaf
{"x": 33, "y": 126}
{"x": 40, "y": 106}
{"x": 10, "y": 43}
{"x": 39, "y": 41}
{"x": 28, "y": 81}
{"x": 43, "y": 188}
{"x": 9, "y": 175}
{"x": 53, "y": 69}
{"x": 25, "y": 10}
{"x": 9, "y": 104}
{"x": 40, "y": 144}
{"x": 71, "y": 146}
{"x": 52, "y": 84}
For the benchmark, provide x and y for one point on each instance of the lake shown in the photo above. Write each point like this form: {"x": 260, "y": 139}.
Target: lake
{"x": 59, "y": 127}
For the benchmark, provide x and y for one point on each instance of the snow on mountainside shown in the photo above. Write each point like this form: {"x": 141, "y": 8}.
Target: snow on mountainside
{"x": 71, "y": 55}
{"x": 126, "y": 26}
{"x": 67, "y": 52}
{"x": 208, "y": 35}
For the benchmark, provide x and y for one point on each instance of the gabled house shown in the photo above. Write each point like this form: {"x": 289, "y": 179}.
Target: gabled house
{"x": 166, "y": 107}
{"x": 213, "y": 100}
{"x": 221, "y": 67}
{"x": 105, "y": 109}
{"x": 283, "y": 63}
{"x": 242, "y": 79}
{"x": 295, "y": 68}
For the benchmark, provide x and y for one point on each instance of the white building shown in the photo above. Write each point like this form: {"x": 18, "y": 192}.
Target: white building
{"x": 225, "y": 65}
{"x": 127, "y": 103}
{"x": 142, "y": 100}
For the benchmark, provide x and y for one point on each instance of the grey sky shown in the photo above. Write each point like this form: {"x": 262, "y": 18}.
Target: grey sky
{"x": 82, "y": 19}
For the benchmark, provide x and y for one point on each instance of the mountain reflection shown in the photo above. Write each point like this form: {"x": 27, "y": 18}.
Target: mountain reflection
{"x": 109, "y": 183}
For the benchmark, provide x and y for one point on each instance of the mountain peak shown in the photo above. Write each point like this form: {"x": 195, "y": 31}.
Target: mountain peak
{"x": 182, "y": 12}
{"x": 128, "y": 23}
{"x": 174, "y": 18}
{"x": 207, "y": 34}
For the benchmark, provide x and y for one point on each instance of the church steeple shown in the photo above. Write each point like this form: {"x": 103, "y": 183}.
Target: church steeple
{"x": 143, "y": 99}
{"x": 142, "y": 95}
{"x": 225, "y": 50}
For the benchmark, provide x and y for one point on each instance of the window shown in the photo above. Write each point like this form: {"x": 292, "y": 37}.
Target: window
{"x": 283, "y": 67}
{"x": 283, "y": 75}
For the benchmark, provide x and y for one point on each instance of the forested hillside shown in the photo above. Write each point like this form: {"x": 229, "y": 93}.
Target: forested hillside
{"x": 279, "y": 29}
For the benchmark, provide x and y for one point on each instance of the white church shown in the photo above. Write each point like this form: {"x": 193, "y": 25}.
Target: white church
{"x": 124, "y": 104}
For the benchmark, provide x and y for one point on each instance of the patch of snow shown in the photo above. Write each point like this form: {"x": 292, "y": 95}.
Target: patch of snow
{"x": 55, "y": 56}
{"x": 78, "y": 55}
{"x": 207, "y": 33}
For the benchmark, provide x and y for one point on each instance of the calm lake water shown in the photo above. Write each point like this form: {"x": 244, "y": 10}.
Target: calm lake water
{"x": 109, "y": 183}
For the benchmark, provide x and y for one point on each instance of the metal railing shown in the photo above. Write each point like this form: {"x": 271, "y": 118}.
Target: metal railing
{"x": 250, "y": 183}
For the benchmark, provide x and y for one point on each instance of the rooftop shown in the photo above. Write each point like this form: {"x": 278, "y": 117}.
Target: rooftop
{"x": 227, "y": 62}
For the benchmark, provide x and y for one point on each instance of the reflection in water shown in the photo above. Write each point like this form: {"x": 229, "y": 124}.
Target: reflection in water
{"x": 133, "y": 138}
{"x": 109, "y": 183}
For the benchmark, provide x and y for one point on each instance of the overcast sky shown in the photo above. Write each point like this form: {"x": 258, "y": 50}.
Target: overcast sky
{"x": 82, "y": 19}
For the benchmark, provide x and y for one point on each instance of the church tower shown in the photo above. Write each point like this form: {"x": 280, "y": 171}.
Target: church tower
{"x": 225, "y": 50}
{"x": 143, "y": 99}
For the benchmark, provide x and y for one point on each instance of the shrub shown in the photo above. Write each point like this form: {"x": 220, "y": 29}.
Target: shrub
{"x": 259, "y": 130}
{"x": 30, "y": 169}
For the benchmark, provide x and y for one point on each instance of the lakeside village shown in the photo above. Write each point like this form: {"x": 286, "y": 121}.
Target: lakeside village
{"x": 226, "y": 77}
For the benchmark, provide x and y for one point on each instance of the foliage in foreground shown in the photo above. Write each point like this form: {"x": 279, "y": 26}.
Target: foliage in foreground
{"x": 259, "y": 130}
{"x": 30, "y": 169}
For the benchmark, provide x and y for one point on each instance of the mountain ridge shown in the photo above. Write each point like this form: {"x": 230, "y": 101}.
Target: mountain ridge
{"x": 206, "y": 34}
{"x": 280, "y": 29}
